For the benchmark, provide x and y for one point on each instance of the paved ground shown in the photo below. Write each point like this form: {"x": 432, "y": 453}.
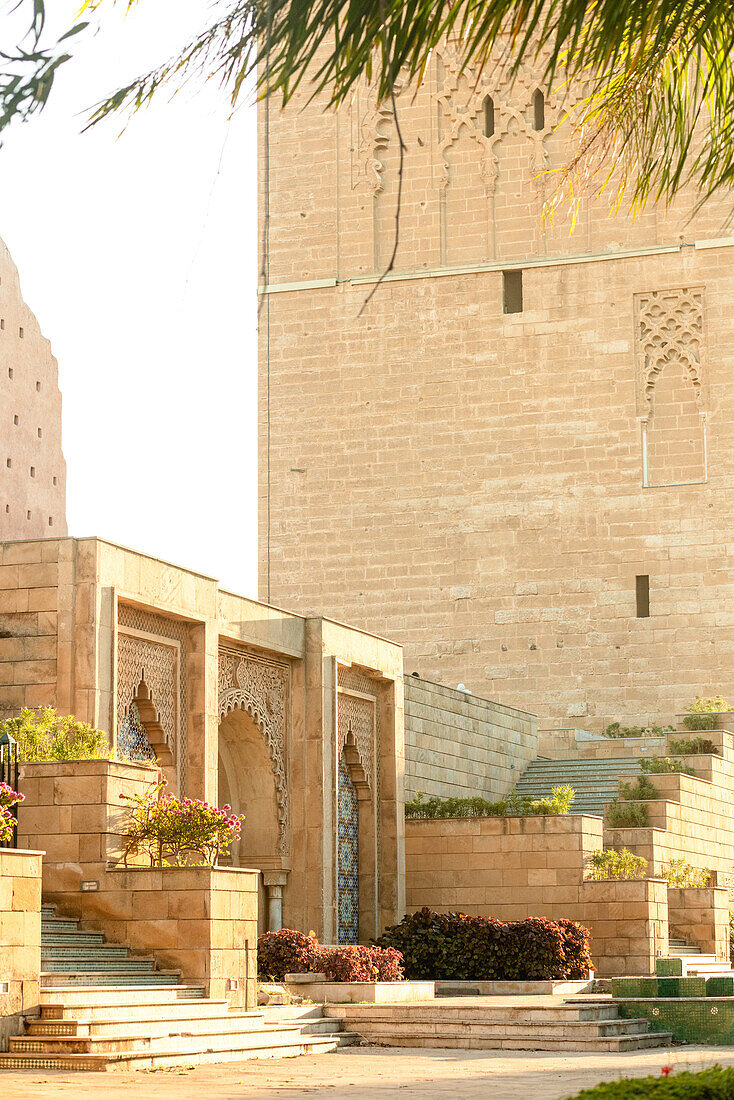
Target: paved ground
{"x": 371, "y": 1073}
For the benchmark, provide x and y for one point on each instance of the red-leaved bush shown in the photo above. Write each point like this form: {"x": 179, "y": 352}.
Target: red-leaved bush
{"x": 360, "y": 964}
{"x": 286, "y": 952}
{"x": 291, "y": 952}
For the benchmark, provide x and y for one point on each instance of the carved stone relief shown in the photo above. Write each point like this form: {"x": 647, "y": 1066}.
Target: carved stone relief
{"x": 669, "y": 329}
{"x": 261, "y": 686}
{"x": 153, "y": 649}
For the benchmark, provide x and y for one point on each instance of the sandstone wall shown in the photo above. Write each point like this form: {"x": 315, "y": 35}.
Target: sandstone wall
{"x": 470, "y": 481}
{"x": 461, "y": 745}
{"x": 20, "y": 937}
{"x": 32, "y": 466}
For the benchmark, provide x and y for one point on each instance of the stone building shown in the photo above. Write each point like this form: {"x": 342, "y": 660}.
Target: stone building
{"x": 297, "y": 722}
{"x": 32, "y": 466}
{"x": 517, "y": 458}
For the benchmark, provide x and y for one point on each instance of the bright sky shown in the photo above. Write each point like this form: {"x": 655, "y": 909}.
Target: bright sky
{"x": 137, "y": 253}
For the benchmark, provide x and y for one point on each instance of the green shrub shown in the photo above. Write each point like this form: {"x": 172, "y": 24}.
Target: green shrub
{"x": 454, "y": 947}
{"x": 702, "y": 713}
{"x": 661, "y": 765}
{"x": 610, "y": 863}
{"x": 627, "y": 815}
{"x": 642, "y": 789}
{"x": 708, "y": 1084}
{"x": 46, "y": 735}
{"x": 615, "y": 730}
{"x": 681, "y": 874}
{"x": 694, "y": 746}
{"x": 513, "y": 806}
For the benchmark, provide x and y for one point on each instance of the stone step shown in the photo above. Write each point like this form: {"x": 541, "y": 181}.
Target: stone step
{"x": 83, "y": 951}
{"x": 51, "y": 979}
{"x": 69, "y": 939}
{"x": 473, "y": 1029}
{"x": 82, "y": 964}
{"x": 57, "y": 924}
{"x": 63, "y": 1002}
{"x": 482, "y": 1013}
{"x": 290, "y": 1045}
{"x": 191, "y": 1015}
{"x": 530, "y": 1041}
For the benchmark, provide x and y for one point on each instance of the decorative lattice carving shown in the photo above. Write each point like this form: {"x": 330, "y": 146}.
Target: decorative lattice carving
{"x": 359, "y": 714}
{"x": 371, "y": 125}
{"x": 669, "y": 328}
{"x": 163, "y": 667}
{"x": 260, "y": 686}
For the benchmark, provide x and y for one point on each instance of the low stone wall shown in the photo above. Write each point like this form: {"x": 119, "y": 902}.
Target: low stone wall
{"x": 504, "y": 867}
{"x": 458, "y": 745}
{"x": 20, "y": 937}
{"x": 201, "y": 920}
{"x": 628, "y": 921}
{"x": 700, "y": 915}
{"x": 74, "y": 813}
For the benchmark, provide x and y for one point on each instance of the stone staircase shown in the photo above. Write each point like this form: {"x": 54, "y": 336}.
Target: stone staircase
{"x": 490, "y": 1024}
{"x": 594, "y": 781}
{"x": 696, "y": 963}
{"x": 103, "y": 1009}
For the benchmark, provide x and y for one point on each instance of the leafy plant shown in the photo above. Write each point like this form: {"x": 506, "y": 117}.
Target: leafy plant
{"x": 615, "y": 731}
{"x": 680, "y": 874}
{"x": 177, "y": 833}
{"x": 286, "y": 952}
{"x": 702, "y": 714}
{"x": 514, "y": 805}
{"x": 627, "y": 815}
{"x": 610, "y": 863}
{"x": 8, "y": 799}
{"x": 46, "y": 735}
{"x": 662, "y": 765}
{"x": 452, "y": 946}
{"x": 360, "y": 964}
{"x": 694, "y": 746}
{"x": 708, "y": 1084}
{"x": 642, "y": 788}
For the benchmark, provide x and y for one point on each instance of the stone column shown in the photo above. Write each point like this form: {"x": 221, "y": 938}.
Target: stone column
{"x": 274, "y": 881}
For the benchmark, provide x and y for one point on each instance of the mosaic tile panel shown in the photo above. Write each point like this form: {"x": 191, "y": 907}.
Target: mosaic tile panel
{"x": 348, "y": 858}
{"x": 720, "y": 987}
{"x": 132, "y": 740}
{"x": 669, "y": 968}
{"x": 704, "y": 1020}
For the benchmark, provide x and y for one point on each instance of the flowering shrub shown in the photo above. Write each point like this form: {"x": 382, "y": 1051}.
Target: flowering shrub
{"x": 286, "y": 952}
{"x": 454, "y": 947}
{"x": 8, "y": 799}
{"x": 46, "y": 735}
{"x": 702, "y": 714}
{"x": 178, "y": 833}
{"x": 360, "y": 964}
{"x": 677, "y": 872}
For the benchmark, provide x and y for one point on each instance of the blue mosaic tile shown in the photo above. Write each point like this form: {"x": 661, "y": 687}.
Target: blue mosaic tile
{"x": 347, "y": 858}
{"x": 132, "y": 740}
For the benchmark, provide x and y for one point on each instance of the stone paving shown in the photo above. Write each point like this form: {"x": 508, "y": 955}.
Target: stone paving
{"x": 372, "y": 1073}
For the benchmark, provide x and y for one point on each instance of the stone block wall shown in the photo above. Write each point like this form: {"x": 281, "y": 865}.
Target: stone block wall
{"x": 628, "y": 921}
{"x": 199, "y": 920}
{"x": 459, "y": 745}
{"x": 73, "y": 812}
{"x": 20, "y": 937}
{"x": 701, "y": 916}
{"x": 509, "y": 868}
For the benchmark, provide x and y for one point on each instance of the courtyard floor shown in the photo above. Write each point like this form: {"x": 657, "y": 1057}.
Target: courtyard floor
{"x": 372, "y": 1073}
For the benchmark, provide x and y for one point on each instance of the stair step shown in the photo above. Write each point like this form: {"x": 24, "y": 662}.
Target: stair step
{"x": 63, "y": 1002}
{"x": 49, "y": 979}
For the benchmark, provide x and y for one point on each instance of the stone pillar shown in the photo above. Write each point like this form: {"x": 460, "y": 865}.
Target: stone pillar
{"x": 274, "y": 882}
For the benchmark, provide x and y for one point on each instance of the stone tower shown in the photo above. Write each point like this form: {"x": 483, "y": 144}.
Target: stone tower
{"x": 32, "y": 466}
{"x": 518, "y": 458}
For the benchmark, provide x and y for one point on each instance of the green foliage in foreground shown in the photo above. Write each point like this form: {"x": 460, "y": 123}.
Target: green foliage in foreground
{"x": 710, "y": 1084}
{"x": 610, "y": 863}
{"x": 627, "y": 815}
{"x": 661, "y": 765}
{"x": 46, "y": 735}
{"x": 642, "y": 789}
{"x": 681, "y": 874}
{"x": 513, "y": 806}
{"x": 693, "y": 746}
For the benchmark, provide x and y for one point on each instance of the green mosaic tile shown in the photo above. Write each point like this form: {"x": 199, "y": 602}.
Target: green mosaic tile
{"x": 720, "y": 987}
{"x": 681, "y": 987}
{"x": 634, "y": 987}
{"x": 669, "y": 968}
{"x": 703, "y": 1020}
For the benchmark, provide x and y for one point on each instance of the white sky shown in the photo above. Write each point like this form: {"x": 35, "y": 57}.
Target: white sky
{"x": 139, "y": 259}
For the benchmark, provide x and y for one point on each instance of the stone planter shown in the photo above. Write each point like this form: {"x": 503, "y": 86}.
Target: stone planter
{"x": 20, "y": 938}
{"x": 700, "y": 915}
{"x": 723, "y": 720}
{"x": 199, "y": 920}
{"x": 628, "y": 921}
{"x": 382, "y": 993}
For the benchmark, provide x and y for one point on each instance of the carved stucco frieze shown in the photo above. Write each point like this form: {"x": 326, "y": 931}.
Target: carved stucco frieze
{"x": 260, "y": 686}
{"x": 669, "y": 329}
